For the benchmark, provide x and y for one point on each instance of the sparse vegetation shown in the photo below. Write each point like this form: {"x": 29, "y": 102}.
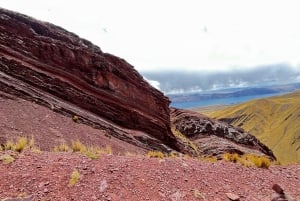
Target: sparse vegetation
{"x": 248, "y": 160}
{"x": 155, "y": 154}
{"x": 31, "y": 143}
{"x": 77, "y": 146}
{"x": 107, "y": 150}
{"x": 231, "y": 157}
{"x": 211, "y": 159}
{"x": 22, "y": 195}
{"x": 6, "y": 159}
{"x": 258, "y": 161}
{"x": 75, "y": 118}
{"x": 61, "y": 148}
{"x": 75, "y": 176}
{"x": 183, "y": 138}
{"x": 9, "y": 145}
{"x": 21, "y": 144}
{"x": 90, "y": 151}
{"x": 174, "y": 154}
{"x": 198, "y": 194}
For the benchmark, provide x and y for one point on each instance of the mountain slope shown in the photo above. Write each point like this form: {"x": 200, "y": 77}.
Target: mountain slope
{"x": 275, "y": 121}
{"x": 48, "y": 65}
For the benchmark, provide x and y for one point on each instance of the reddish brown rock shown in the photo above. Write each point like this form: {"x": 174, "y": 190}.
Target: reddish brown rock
{"x": 277, "y": 189}
{"x": 27, "y": 198}
{"x": 214, "y": 137}
{"x": 232, "y": 196}
{"x": 46, "y": 64}
{"x": 280, "y": 195}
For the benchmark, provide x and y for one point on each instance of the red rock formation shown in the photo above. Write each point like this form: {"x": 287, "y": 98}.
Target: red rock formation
{"x": 216, "y": 137}
{"x": 46, "y": 64}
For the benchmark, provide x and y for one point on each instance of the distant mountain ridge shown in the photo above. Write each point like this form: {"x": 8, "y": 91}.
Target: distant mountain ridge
{"x": 234, "y": 92}
{"x": 275, "y": 121}
{"x": 229, "y": 96}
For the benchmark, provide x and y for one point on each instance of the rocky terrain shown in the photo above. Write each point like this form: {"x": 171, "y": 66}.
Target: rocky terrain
{"x": 56, "y": 88}
{"x": 46, "y": 176}
{"x": 206, "y": 133}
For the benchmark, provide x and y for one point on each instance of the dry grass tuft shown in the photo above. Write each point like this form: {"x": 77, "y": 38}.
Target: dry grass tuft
{"x": 211, "y": 159}
{"x": 92, "y": 152}
{"x": 155, "y": 154}
{"x": 198, "y": 194}
{"x": 231, "y": 157}
{"x": 6, "y": 159}
{"x": 107, "y": 150}
{"x": 75, "y": 176}
{"x": 20, "y": 145}
{"x": 89, "y": 151}
{"x": 248, "y": 160}
{"x": 61, "y": 148}
{"x": 77, "y": 146}
{"x": 9, "y": 145}
{"x": 258, "y": 161}
{"x": 75, "y": 118}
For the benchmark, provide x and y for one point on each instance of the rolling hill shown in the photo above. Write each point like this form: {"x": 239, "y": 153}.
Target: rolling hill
{"x": 275, "y": 121}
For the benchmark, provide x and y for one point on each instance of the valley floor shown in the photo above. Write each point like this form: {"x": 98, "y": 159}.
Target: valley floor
{"x": 46, "y": 176}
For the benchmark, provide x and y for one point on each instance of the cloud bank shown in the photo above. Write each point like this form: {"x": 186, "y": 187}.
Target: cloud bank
{"x": 171, "y": 82}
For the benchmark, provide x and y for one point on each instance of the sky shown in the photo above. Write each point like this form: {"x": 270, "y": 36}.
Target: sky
{"x": 189, "y": 36}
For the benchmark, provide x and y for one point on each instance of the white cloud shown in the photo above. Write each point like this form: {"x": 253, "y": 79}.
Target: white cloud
{"x": 153, "y": 83}
{"x": 173, "y": 34}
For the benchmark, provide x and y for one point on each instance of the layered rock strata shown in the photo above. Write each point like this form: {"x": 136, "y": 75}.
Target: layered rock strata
{"x": 51, "y": 66}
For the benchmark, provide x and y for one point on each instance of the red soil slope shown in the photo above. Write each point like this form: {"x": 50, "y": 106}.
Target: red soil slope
{"x": 46, "y": 176}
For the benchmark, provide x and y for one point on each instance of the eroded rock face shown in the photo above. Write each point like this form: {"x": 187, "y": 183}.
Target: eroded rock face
{"x": 46, "y": 64}
{"x": 214, "y": 137}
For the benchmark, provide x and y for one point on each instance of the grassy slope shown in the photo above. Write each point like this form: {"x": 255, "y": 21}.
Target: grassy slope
{"x": 275, "y": 121}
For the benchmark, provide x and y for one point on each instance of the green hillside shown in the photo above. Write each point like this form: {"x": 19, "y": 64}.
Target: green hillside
{"x": 275, "y": 121}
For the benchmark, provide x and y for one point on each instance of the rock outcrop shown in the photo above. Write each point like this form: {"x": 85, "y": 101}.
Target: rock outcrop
{"x": 214, "y": 137}
{"x": 48, "y": 65}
